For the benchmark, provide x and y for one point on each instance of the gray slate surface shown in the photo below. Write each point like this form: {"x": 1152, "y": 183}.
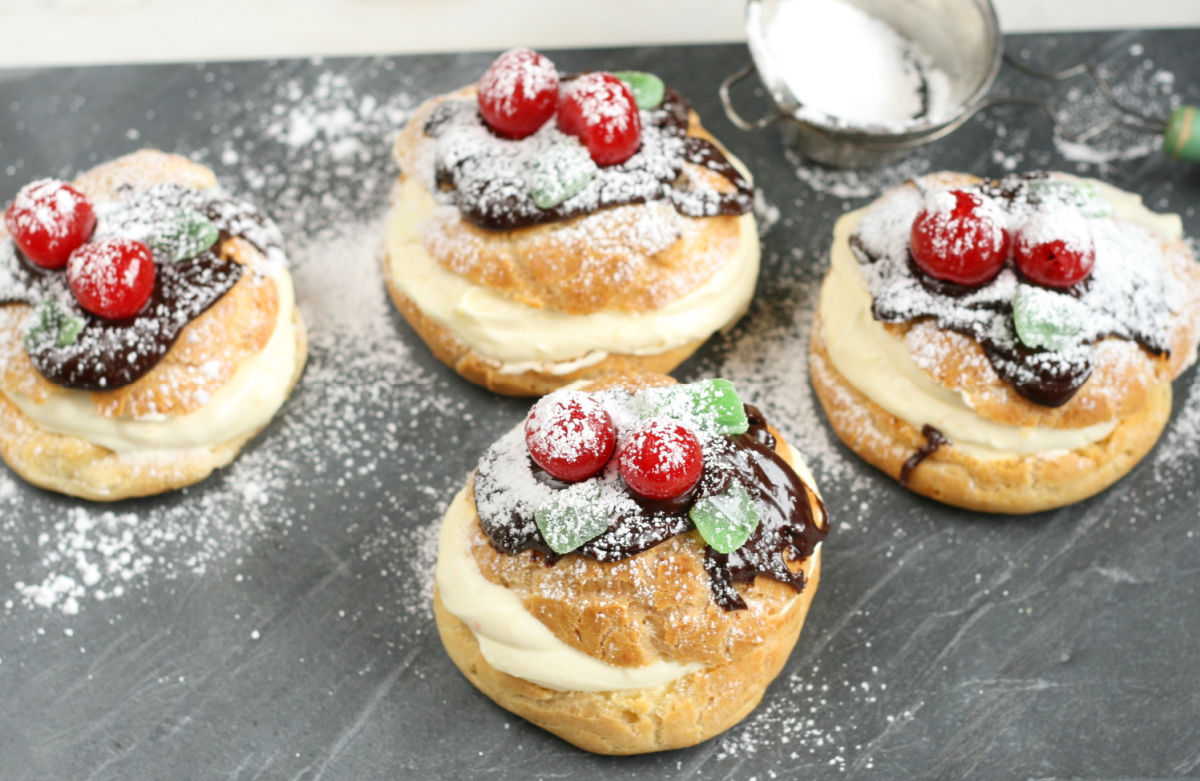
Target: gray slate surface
{"x": 941, "y": 644}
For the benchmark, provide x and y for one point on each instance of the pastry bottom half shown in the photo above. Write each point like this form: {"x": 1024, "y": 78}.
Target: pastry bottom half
{"x": 1016, "y": 484}
{"x": 682, "y": 713}
{"x": 456, "y": 354}
{"x": 75, "y": 466}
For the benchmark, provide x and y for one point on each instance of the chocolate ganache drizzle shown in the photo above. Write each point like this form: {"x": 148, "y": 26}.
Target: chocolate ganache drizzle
{"x": 485, "y": 175}
{"x": 110, "y": 354}
{"x": 508, "y": 486}
{"x": 1124, "y": 296}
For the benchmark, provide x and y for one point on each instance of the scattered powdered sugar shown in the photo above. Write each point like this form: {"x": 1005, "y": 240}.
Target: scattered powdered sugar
{"x": 847, "y": 184}
{"x": 349, "y": 414}
{"x": 846, "y": 67}
{"x": 798, "y": 722}
{"x": 1138, "y": 85}
{"x": 765, "y": 357}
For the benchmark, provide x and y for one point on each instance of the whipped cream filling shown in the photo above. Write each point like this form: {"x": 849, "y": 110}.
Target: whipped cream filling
{"x": 512, "y": 640}
{"x": 880, "y": 367}
{"x": 238, "y": 408}
{"x": 521, "y": 338}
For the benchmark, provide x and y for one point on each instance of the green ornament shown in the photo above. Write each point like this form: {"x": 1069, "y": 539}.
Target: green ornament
{"x": 1182, "y": 139}
{"x": 717, "y": 400}
{"x": 563, "y": 171}
{"x": 185, "y": 234}
{"x": 1045, "y": 320}
{"x": 52, "y": 326}
{"x": 727, "y": 519}
{"x": 572, "y": 517}
{"x": 1081, "y": 194}
{"x": 647, "y": 88}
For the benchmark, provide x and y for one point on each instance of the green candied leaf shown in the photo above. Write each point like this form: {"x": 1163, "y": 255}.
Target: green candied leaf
{"x": 69, "y": 329}
{"x": 562, "y": 171}
{"x": 725, "y": 520}
{"x": 185, "y": 234}
{"x": 711, "y": 405}
{"x": 647, "y": 88}
{"x": 716, "y": 400}
{"x": 51, "y": 324}
{"x": 1079, "y": 193}
{"x": 1044, "y": 319}
{"x": 572, "y": 517}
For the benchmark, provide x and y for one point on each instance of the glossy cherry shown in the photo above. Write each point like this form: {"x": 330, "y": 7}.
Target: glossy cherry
{"x": 661, "y": 460}
{"x": 112, "y": 278}
{"x": 1056, "y": 251}
{"x": 518, "y": 92}
{"x": 48, "y": 220}
{"x": 959, "y": 237}
{"x": 599, "y": 109}
{"x": 570, "y": 435}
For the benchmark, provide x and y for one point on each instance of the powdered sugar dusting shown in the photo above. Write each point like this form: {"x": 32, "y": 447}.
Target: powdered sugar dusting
{"x": 845, "y": 183}
{"x": 1123, "y": 296}
{"x": 847, "y": 67}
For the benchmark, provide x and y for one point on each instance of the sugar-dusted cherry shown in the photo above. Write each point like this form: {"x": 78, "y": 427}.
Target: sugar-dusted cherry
{"x": 518, "y": 92}
{"x": 112, "y": 278}
{"x": 661, "y": 460}
{"x": 959, "y": 237}
{"x": 570, "y": 435}
{"x": 1055, "y": 248}
{"x": 600, "y": 111}
{"x": 48, "y": 220}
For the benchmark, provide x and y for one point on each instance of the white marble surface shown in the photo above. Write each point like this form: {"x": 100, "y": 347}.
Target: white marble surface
{"x": 102, "y": 31}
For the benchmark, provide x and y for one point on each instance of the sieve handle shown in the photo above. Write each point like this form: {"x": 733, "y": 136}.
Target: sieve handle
{"x": 731, "y": 112}
{"x": 1182, "y": 139}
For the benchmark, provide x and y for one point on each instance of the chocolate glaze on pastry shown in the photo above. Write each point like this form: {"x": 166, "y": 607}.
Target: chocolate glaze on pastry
{"x": 787, "y": 533}
{"x": 1123, "y": 299}
{"x": 482, "y": 174}
{"x": 110, "y": 354}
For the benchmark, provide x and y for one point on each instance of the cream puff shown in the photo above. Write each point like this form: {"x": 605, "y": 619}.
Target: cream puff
{"x": 547, "y": 229}
{"x": 631, "y": 568}
{"x": 1004, "y": 345}
{"x": 148, "y": 328}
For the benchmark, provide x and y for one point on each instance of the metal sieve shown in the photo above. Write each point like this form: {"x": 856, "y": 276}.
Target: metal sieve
{"x": 964, "y": 40}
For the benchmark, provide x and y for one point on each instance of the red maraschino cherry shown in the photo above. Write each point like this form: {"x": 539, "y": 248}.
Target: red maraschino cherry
{"x": 570, "y": 435}
{"x": 48, "y": 220}
{"x": 1055, "y": 249}
{"x": 600, "y": 111}
{"x": 518, "y": 93}
{"x": 661, "y": 460}
{"x": 958, "y": 237}
{"x": 112, "y": 278}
